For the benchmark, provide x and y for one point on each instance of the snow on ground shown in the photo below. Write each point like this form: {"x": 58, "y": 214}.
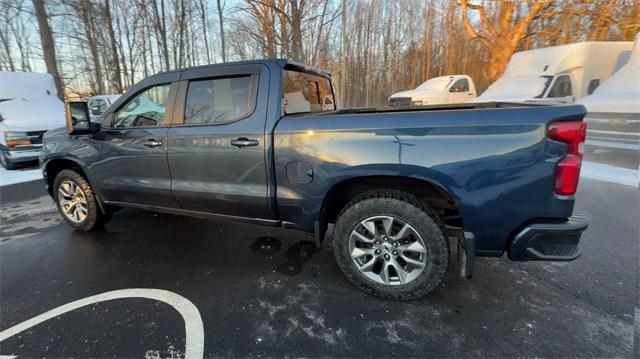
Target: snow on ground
{"x": 18, "y": 176}
{"x": 608, "y": 173}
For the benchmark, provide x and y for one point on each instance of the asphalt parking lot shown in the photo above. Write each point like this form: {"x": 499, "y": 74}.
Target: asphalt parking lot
{"x": 265, "y": 292}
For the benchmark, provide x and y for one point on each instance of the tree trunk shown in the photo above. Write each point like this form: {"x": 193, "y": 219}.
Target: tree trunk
{"x": 222, "y": 41}
{"x": 115, "y": 62}
{"x": 48, "y": 46}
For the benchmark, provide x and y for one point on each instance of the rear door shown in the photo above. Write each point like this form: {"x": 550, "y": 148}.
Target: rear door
{"x": 133, "y": 168}
{"x": 216, "y": 145}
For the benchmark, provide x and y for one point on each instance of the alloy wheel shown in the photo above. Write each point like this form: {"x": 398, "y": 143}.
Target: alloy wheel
{"x": 387, "y": 250}
{"x": 73, "y": 202}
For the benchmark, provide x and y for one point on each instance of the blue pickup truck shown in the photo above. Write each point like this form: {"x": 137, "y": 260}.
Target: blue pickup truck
{"x": 393, "y": 190}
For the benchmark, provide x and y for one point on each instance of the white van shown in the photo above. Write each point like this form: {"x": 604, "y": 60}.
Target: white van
{"x": 558, "y": 74}
{"x": 437, "y": 91}
{"x": 29, "y": 106}
{"x": 99, "y": 104}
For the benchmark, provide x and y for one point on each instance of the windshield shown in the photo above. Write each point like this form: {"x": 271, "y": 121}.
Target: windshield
{"x": 514, "y": 89}
{"x": 436, "y": 83}
{"x": 547, "y": 81}
{"x": 307, "y": 93}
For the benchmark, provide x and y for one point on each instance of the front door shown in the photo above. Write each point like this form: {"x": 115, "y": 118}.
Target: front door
{"x": 561, "y": 90}
{"x": 216, "y": 148}
{"x": 133, "y": 167}
{"x": 459, "y": 92}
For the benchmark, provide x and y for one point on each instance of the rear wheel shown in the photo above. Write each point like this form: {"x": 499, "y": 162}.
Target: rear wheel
{"x": 76, "y": 201}
{"x": 390, "y": 244}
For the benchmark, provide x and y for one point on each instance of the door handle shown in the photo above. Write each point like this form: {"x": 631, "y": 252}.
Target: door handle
{"x": 244, "y": 142}
{"x": 152, "y": 143}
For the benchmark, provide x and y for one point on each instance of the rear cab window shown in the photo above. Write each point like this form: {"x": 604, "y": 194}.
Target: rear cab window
{"x": 306, "y": 93}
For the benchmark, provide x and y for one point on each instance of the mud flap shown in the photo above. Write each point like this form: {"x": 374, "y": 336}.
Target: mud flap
{"x": 466, "y": 254}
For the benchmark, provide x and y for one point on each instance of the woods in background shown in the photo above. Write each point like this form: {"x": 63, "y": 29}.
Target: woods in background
{"x": 372, "y": 47}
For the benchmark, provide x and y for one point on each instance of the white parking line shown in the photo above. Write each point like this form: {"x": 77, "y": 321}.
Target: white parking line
{"x": 194, "y": 329}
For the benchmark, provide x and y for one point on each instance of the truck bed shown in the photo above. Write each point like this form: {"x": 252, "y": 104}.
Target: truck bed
{"x": 493, "y": 160}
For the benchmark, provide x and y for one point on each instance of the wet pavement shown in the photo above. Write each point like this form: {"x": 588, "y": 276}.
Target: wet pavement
{"x": 265, "y": 292}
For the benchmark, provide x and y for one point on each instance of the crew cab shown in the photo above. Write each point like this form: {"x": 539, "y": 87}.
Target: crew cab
{"x": 392, "y": 190}
{"x": 437, "y": 91}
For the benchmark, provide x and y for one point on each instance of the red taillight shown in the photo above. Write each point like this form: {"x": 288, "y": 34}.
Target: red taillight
{"x": 568, "y": 170}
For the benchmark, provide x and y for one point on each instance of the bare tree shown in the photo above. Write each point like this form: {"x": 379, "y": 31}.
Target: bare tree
{"x": 48, "y": 46}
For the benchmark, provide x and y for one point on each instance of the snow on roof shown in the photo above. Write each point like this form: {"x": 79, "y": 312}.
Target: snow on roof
{"x": 26, "y": 85}
{"x": 621, "y": 92}
{"x": 557, "y": 59}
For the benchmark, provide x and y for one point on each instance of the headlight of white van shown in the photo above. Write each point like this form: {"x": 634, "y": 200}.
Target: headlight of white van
{"x": 14, "y": 138}
{"x": 417, "y": 103}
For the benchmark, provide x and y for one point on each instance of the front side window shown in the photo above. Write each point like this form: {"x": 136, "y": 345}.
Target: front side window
{"x": 219, "y": 100}
{"x": 461, "y": 85}
{"x": 145, "y": 109}
{"x": 561, "y": 87}
{"x": 593, "y": 85}
{"x": 307, "y": 93}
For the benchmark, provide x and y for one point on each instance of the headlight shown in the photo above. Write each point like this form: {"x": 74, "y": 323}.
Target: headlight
{"x": 416, "y": 103}
{"x": 16, "y": 138}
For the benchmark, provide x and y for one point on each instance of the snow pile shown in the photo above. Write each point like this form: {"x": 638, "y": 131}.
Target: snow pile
{"x": 18, "y": 176}
{"x": 436, "y": 83}
{"x": 515, "y": 89}
{"x": 609, "y": 173}
{"x": 621, "y": 92}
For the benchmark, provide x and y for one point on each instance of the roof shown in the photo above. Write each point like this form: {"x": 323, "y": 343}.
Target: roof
{"x": 556, "y": 59}
{"x": 283, "y": 63}
{"x": 26, "y": 84}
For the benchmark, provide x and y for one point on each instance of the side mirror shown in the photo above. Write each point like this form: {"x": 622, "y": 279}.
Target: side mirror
{"x": 78, "y": 119}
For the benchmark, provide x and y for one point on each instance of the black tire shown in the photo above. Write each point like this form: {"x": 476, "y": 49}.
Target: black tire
{"x": 4, "y": 161}
{"x": 94, "y": 217}
{"x": 410, "y": 210}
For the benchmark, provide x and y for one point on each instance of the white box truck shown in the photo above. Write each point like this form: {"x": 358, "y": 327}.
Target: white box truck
{"x": 558, "y": 74}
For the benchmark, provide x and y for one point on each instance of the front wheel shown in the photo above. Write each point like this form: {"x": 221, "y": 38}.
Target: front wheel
{"x": 76, "y": 201}
{"x": 390, "y": 244}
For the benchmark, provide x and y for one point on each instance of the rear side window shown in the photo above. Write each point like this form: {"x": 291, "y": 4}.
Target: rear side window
{"x": 307, "y": 93}
{"x": 145, "y": 109}
{"x": 561, "y": 87}
{"x": 219, "y": 101}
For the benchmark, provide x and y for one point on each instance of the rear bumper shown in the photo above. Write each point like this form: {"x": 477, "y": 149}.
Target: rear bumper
{"x": 549, "y": 241}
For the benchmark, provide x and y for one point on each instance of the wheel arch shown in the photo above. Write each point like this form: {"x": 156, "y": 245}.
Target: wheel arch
{"x": 52, "y": 167}
{"x": 443, "y": 202}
